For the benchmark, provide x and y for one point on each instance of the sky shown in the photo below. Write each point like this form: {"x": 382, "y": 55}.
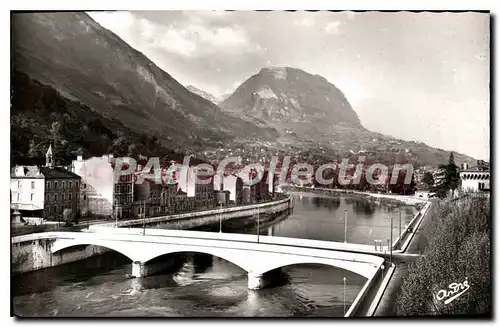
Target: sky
{"x": 414, "y": 76}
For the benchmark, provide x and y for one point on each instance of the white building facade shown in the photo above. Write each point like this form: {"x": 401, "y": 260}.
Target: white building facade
{"x": 475, "y": 178}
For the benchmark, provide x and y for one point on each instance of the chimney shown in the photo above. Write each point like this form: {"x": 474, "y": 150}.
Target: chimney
{"x": 465, "y": 166}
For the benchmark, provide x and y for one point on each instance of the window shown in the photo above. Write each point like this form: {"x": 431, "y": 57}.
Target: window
{"x": 69, "y": 197}
{"x": 47, "y": 197}
{"x": 76, "y": 184}
{"x": 63, "y": 184}
{"x": 55, "y": 185}
{"x": 18, "y": 184}
{"x": 85, "y": 197}
{"x": 117, "y": 188}
{"x": 62, "y": 197}
{"x": 69, "y": 184}
{"x": 55, "y": 197}
{"x": 18, "y": 196}
{"x": 32, "y": 196}
{"x": 48, "y": 185}
{"x": 84, "y": 185}
{"x": 32, "y": 184}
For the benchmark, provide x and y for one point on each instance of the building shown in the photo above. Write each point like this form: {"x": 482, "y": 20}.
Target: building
{"x": 231, "y": 183}
{"x": 204, "y": 194}
{"x": 167, "y": 198}
{"x": 45, "y": 192}
{"x": 27, "y": 191}
{"x": 100, "y": 194}
{"x": 476, "y": 178}
{"x": 222, "y": 197}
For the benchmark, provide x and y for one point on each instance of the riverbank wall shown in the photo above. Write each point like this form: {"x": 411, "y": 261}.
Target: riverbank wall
{"x": 30, "y": 253}
{"x": 195, "y": 219}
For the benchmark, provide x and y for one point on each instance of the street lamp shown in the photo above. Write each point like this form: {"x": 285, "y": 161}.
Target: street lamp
{"x": 345, "y": 280}
{"x": 390, "y": 244}
{"x": 220, "y": 218}
{"x": 399, "y": 222}
{"x": 258, "y": 224}
{"x": 143, "y": 217}
{"x": 345, "y": 226}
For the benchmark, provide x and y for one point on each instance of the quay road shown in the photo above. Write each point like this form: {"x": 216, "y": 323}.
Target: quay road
{"x": 387, "y": 305}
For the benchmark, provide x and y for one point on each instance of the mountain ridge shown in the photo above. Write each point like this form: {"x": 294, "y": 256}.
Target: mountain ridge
{"x": 102, "y": 71}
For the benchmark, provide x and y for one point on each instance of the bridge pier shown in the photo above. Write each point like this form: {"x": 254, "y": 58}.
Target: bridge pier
{"x": 141, "y": 269}
{"x": 257, "y": 281}
{"x": 138, "y": 269}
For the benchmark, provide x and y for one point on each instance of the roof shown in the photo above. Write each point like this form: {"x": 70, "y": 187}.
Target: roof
{"x": 27, "y": 172}
{"x": 58, "y": 173}
{"x": 479, "y": 168}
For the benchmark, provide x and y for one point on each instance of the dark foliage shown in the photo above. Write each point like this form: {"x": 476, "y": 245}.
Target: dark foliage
{"x": 458, "y": 249}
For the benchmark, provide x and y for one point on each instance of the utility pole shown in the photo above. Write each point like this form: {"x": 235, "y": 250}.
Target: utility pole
{"x": 116, "y": 216}
{"x": 220, "y": 217}
{"x": 258, "y": 224}
{"x": 390, "y": 245}
{"x": 143, "y": 217}
{"x": 400, "y": 223}
{"x": 345, "y": 280}
{"x": 345, "y": 226}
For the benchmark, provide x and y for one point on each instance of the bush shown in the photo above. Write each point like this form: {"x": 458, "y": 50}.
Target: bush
{"x": 458, "y": 249}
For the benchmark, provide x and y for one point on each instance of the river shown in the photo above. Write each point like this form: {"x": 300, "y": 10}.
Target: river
{"x": 205, "y": 286}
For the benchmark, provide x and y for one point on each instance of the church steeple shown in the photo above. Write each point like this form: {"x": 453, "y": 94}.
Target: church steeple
{"x": 49, "y": 161}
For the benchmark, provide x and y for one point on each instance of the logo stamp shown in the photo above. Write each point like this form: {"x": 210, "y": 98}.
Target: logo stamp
{"x": 454, "y": 291}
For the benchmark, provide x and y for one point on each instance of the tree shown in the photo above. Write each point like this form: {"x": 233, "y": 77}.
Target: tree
{"x": 428, "y": 179}
{"x": 448, "y": 178}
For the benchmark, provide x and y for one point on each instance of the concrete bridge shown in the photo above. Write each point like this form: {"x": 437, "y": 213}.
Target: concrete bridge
{"x": 261, "y": 257}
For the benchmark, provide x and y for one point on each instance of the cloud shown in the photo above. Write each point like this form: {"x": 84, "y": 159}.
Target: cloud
{"x": 332, "y": 27}
{"x": 191, "y": 37}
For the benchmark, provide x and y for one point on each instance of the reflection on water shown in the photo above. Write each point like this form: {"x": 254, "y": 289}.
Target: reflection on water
{"x": 324, "y": 218}
{"x": 200, "y": 285}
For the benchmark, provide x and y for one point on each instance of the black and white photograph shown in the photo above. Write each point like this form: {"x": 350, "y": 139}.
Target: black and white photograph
{"x": 250, "y": 164}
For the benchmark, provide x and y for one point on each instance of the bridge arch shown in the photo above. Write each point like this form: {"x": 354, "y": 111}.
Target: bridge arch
{"x": 359, "y": 268}
{"x": 227, "y": 258}
{"x": 61, "y": 244}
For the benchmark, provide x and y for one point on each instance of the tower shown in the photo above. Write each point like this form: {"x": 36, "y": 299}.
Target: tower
{"x": 49, "y": 160}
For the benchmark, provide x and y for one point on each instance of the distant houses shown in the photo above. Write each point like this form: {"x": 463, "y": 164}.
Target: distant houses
{"x": 88, "y": 188}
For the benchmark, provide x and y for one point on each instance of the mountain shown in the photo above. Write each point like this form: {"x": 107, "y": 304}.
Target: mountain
{"x": 87, "y": 63}
{"x": 224, "y": 96}
{"x": 202, "y": 94}
{"x": 287, "y": 98}
{"x": 309, "y": 111}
